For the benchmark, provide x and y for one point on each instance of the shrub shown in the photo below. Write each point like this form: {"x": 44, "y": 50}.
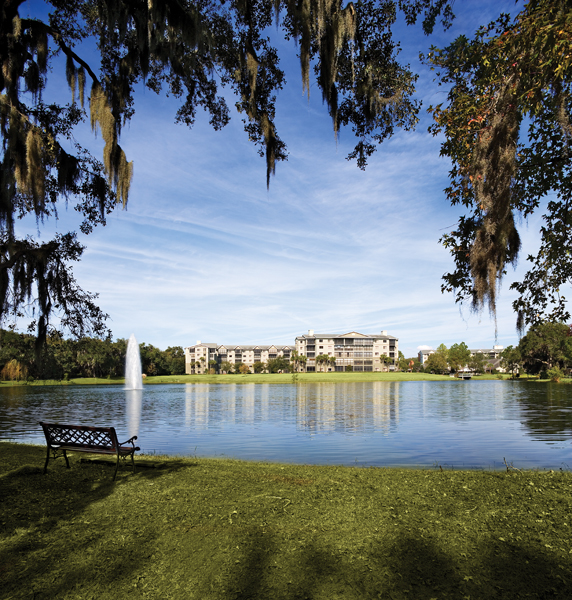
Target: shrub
{"x": 14, "y": 371}
{"x": 555, "y": 374}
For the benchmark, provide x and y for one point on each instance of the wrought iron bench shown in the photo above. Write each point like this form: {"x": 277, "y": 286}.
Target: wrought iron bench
{"x": 81, "y": 438}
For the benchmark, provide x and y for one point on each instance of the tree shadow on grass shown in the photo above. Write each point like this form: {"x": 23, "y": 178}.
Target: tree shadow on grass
{"x": 413, "y": 568}
{"x": 35, "y": 507}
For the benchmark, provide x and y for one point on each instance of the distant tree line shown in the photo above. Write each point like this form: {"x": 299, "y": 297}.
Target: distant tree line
{"x": 64, "y": 359}
{"x": 545, "y": 350}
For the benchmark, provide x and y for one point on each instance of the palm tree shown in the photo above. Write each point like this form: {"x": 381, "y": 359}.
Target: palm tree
{"x": 332, "y": 361}
{"x": 295, "y": 360}
{"x": 322, "y": 359}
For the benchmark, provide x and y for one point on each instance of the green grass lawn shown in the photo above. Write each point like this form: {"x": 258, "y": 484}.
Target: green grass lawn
{"x": 230, "y": 530}
{"x": 269, "y": 378}
{"x": 298, "y": 378}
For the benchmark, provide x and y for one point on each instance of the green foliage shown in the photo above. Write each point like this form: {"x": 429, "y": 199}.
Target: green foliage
{"x": 477, "y": 363}
{"x": 226, "y": 366}
{"x": 458, "y": 356}
{"x": 14, "y": 371}
{"x": 259, "y": 367}
{"x": 514, "y": 71}
{"x": 546, "y": 345}
{"x": 65, "y": 359}
{"x": 384, "y": 360}
{"x": 555, "y": 374}
{"x": 189, "y": 50}
{"x": 278, "y": 364}
{"x": 436, "y": 363}
{"x": 323, "y": 361}
{"x": 413, "y": 365}
{"x": 298, "y": 361}
{"x": 511, "y": 359}
{"x": 259, "y": 530}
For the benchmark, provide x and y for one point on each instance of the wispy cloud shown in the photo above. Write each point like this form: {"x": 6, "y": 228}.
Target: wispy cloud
{"x": 205, "y": 251}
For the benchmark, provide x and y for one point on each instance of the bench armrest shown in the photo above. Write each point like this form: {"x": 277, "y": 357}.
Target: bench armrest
{"x": 129, "y": 441}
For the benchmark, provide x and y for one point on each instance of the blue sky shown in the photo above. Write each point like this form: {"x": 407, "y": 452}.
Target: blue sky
{"x": 205, "y": 252}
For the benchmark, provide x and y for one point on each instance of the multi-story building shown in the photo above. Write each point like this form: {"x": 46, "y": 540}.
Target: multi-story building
{"x": 200, "y": 357}
{"x": 378, "y": 352}
{"x": 359, "y": 351}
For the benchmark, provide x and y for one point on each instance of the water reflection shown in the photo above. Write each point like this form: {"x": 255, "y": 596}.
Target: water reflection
{"x": 347, "y": 407}
{"x": 381, "y": 423}
{"x": 133, "y": 403}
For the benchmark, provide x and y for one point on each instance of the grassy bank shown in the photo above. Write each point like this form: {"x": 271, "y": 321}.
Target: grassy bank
{"x": 273, "y": 378}
{"x": 229, "y": 530}
{"x": 257, "y": 378}
{"x": 298, "y": 378}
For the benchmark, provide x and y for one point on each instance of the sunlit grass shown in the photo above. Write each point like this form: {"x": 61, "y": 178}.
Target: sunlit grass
{"x": 225, "y": 529}
{"x": 274, "y": 378}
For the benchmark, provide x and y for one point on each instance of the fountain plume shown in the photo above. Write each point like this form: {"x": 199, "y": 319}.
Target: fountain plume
{"x": 133, "y": 376}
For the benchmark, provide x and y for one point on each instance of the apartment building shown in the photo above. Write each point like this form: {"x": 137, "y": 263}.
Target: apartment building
{"x": 199, "y": 358}
{"x": 359, "y": 351}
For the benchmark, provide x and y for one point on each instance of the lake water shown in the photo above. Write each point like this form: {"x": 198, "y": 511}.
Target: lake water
{"x": 456, "y": 424}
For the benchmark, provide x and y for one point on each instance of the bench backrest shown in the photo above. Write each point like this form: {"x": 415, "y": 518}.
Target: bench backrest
{"x": 80, "y": 435}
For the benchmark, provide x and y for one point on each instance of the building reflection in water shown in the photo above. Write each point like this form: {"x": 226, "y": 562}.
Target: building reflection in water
{"x": 197, "y": 405}
{"x": 347, "y": 407}
{"x": 133, "y": 402}
{"x": 247, "y": 390}
{"x": 315, "y": 407}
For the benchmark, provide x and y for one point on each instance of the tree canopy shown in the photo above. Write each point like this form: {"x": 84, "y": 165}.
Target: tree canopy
{"x": 506, "y": 123}
{"x": 508, "y": 134}
{"x": 190, "y": 49}
{"x": 545, "y": 346}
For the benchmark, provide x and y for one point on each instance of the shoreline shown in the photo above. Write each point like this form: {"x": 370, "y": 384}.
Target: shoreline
{"x": 274, "y": 378}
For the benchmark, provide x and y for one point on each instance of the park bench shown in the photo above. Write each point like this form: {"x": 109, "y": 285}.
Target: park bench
{"x": 62, "y": 439}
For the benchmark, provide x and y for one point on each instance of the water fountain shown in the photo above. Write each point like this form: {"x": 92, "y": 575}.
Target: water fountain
{"x": 133, "y": 376}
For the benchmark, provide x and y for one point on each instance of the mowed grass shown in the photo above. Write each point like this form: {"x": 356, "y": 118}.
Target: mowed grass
{"x": 225, "y": 529}
{"x": 273, "y": 378}
{"x": 297, "y": 378}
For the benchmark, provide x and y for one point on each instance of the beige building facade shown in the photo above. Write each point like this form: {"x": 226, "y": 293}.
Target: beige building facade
{"x": 358, "y": 351}
{"x": 361, "y": 352}
{"x": 201, "y": 357}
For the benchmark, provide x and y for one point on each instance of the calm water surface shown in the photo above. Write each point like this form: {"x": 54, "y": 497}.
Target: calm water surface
{"x": 471, "y": 424}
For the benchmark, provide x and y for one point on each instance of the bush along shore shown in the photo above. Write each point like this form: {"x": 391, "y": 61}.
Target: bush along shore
{"x": 229, "y": 530}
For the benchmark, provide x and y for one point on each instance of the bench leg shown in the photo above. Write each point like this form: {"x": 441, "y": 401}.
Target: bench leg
{"x": 47, "y": 461}
{"x": 133, "y": 462}
{"x": 66, "y": 457}
{"x": 116, "y": 467}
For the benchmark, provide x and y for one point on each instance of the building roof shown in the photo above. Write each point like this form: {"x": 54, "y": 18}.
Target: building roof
{"x": 351, "y": 334}
{"x": 249, "y": 347}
